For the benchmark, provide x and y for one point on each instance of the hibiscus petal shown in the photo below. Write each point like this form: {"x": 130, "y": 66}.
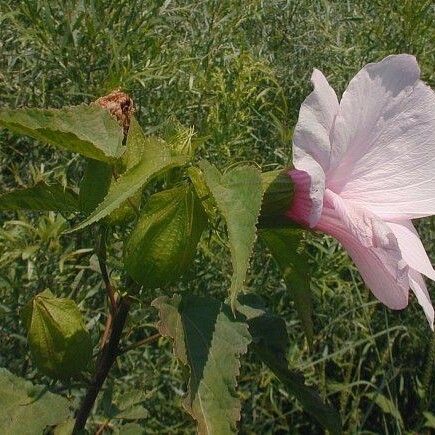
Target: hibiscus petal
{"x": 371, "y": 245}
{"x": 311, "y": 150}
{"x": 418, "y": 286}
{"x": 316, "y": 117}
{"x": 412, "y": 249}
{"x": 383, "y": 147}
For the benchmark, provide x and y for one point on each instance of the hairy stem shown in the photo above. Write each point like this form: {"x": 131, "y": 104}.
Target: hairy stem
{"x": 108, "y": 356}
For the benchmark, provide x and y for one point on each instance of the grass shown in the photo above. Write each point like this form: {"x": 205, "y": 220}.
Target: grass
{"x": 237, "y": 71}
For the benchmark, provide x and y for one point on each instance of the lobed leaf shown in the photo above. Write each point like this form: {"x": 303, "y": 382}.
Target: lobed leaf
{"x": 238, "y": 194}
{"x": 270, "y": 342}
{"x": 86, "y": 129}
{"x": 27, "y": 409}
{"x": 164, "y": 241}
{"x": 41, "y": 197}
{"x": 285, "y": 245}
{"x": 210, "y": 342}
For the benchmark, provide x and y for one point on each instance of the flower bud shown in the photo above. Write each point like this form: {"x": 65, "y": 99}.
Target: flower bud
{"x": 59, "y": 342}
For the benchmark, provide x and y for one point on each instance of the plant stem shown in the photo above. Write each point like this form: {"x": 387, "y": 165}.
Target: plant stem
{"x": 142, "y": 342}
{"x": 108, "y": 356}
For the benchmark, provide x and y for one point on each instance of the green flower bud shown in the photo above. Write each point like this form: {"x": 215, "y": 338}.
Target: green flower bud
{"x": 59, "y": 342}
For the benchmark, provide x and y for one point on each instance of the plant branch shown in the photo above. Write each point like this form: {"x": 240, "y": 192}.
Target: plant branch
{"x": 107, "y": 328}
{"x": 108, "y": 356}
{"x": 142, "y": 342}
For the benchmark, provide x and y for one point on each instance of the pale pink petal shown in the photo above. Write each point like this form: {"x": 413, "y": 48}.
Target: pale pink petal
{"x": 370, "y": 99}
{"x": 311, "y": 150}
{"x": 418, "y": 286}
{"x": 383, "y": 141}
{"x": 316, "y": 118}
{"x": 412, "y": 249}
{"x": 371, "y": 245}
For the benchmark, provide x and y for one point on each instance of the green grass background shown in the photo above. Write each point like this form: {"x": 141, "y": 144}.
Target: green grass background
{"x": 237, "y": 71}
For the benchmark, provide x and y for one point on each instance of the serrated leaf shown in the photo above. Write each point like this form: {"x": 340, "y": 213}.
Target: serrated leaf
{"x": 94, "y": 186}
{"x": 164, "y": 241}
{"x": 86, "y": 129}
{"x": 270, "y": 342}
{"x": 129, "y": 183}
{"x": 59, "y": 342}
{"x": 139, "y": 146}
{"x": 286, "y": 247}
{"x": 98, "y": 176}
{"x": 40, "y": 197}
{"x": 238, "y": 194}
{"x": 210, "y": 342}
{"x": 27, "y": 409}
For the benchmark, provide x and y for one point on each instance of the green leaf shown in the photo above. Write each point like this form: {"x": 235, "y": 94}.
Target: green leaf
{"x": 270, "y": 342}
{"x": 210, "y": 341}
{"x": 40, "y": 197}
{"x": 430, "y": 420}
{"x": 27, "y": 409}
{"x": 86, "y": 129}
{"x": 141, "y": 147}
{"x": 65, "y": 428}
{"x": 99, "y": 175}
{"x": 238, "y": 195}
{"x": 196, "y": 176}
{"x": 138, "y": 147}
{"x": 286, "y": 247}
{"x": 94, "y": 185}
{"x": 128, "y": 184}
{"x": 60, "y": 344}
{"x": 137, "y": 412}
{"x": 278, "y": 193}
{"x": 163, "y": 244}
{"x": 387, "y": 406}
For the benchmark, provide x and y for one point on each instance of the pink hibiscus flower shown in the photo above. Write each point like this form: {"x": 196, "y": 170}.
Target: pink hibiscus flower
{"x": 364, "y": 167}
